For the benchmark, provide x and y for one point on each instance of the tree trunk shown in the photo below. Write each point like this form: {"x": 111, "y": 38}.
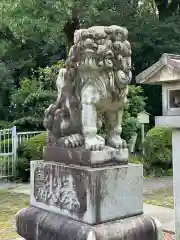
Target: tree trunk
{"x": 167, "y": 9}
{"x": 71, "y": 26}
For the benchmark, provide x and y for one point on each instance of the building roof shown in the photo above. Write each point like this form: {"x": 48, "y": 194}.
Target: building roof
{"x": 167, "y": 69}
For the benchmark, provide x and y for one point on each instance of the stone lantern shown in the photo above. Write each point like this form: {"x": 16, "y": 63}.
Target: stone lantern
{"x": 166, "y": 72}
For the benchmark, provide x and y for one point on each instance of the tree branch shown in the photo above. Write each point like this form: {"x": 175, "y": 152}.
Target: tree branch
{"x": 71, "y": 25}
{"x": 173, "y": 6}
{"x": 133, "y": 5}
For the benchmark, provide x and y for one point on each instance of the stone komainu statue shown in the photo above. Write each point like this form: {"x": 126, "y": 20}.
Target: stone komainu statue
{"x": 93, "y": 85}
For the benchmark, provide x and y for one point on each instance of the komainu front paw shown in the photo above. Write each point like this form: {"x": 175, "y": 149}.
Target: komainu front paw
{"x": 116, "y": 141}
{"x": 95, "y": 143}
{"x": 72, "y": 141}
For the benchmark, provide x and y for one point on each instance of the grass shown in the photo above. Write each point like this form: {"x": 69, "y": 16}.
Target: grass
{"x": 10, "y": 204}
{"x": 135, "y": 159}
{"x": 162, "y": 198}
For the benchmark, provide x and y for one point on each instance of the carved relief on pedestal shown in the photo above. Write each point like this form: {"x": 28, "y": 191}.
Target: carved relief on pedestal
{"x": 55, "y": 187}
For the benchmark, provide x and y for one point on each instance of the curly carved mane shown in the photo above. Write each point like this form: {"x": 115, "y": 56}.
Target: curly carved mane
{"x": 105, "y": 54}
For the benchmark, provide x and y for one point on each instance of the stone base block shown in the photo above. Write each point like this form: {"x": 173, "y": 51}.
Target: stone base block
{"x": 36, "y": 224}
{"x": 90, "y": 195}
{"x": 85, "y": 157}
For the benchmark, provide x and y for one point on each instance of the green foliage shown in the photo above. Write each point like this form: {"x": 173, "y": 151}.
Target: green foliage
{"x": 40, "y": 30}
{"x": 38, "y": 102}
{"x": 33, "y": 96}
{"x": 47, "y": 76}
{"x": 6, "y": 145}
{"x": 130, "y": 126}
{"x": 6, "y": 85}
{"x": 150, "y": 39}
{"x": 136, "y": 104}
{"x": 5, "y": 125}
{"x": 31, "y": 34}
{"x": 37, "y": 33}
{"x": 34, "y": 35}
{"x": 167, "y": 202}
{"x": 22, "y": 170}
{"x": 32, "y": 149}
{"x": 135, "y": 159}
{"x": 29, "y": 123}
{"x": 18, "y": 96}
{"x": 158, "y": 148}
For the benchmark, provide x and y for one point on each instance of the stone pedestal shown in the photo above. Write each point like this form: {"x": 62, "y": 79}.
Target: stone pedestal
{"x": 81, "y": 156}
{"x": 37, "y": 224}
{"x": 90, "y": 195}
{"x": 80, "y": 202}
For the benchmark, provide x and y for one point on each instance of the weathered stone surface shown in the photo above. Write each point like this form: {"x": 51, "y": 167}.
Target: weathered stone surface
{"x": 165, "y": 72}
{"x": 91, "y": 195}
{"x": 36, "y": 224}
{"x": 86, "y": 157}
{"x": 92, "y": 87}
